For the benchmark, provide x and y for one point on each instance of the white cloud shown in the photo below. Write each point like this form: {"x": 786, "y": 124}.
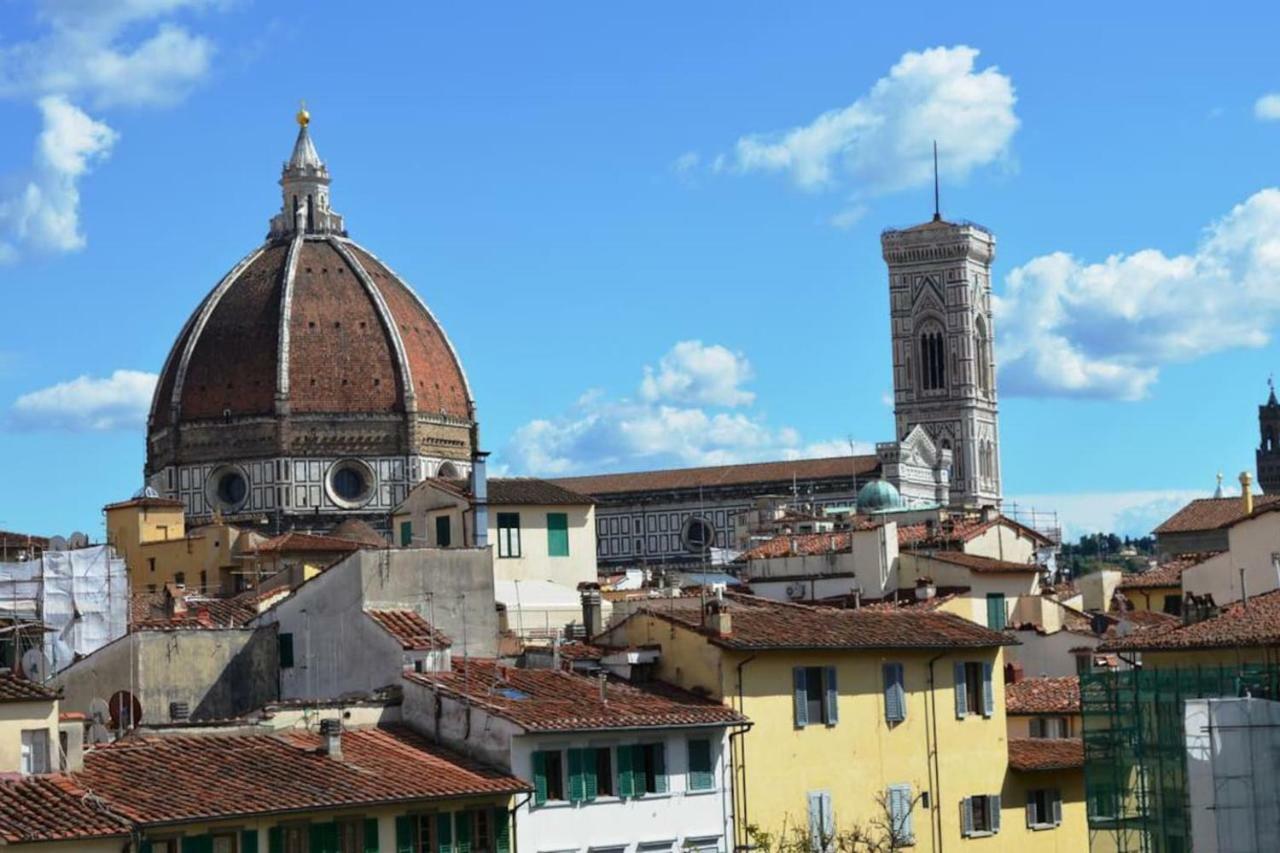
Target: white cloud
{"x": 686, "y": 162}
{"x": 683, "y": 415}
{"x": 120, "y": 401}
{"x": 694, "y": 373}
{"x": 1267, "y": 108}
{"x": 105, "y": 52}
{"x": 1069, "y": 328}
{"x": 1132, "y": 513}
{"x": 44, "y": 215}
{"x": 882, "y": 142}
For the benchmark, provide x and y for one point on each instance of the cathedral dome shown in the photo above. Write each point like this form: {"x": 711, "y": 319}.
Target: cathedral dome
{"x": 878, "y": 496}
{"x": 311, "y": 370}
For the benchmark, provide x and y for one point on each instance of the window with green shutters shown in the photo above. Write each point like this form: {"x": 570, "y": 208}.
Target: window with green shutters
{"x": 642, "y": 769}
{"x": 462, "y": 833}
{"x": 444, "y": 532}
{"x": 583, "y": 784}
{"x": 548, "y": 776}
{"x": 444, "y": 833}
{"x": 406, "y": 534}
{"x": 997, "y": 614}
{"x": 557, "y": 534}
{"x": 701, "y": 774}
{"x": 197, "y": 844}
{"x": 248, "y": 841}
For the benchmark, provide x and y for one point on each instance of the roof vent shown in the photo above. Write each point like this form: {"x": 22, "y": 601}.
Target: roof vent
{"x": 179, "y": 711}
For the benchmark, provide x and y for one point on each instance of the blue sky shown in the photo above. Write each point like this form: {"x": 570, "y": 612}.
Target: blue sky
{"x": 652, "y": 233}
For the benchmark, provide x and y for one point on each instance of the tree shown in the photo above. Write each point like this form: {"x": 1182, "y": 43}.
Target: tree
{"x": 883, "y": 833}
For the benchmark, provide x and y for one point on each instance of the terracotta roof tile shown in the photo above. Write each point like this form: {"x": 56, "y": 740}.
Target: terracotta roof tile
{"x": 1256, "y": 624}
{"x": 1043, "y": 696}
{"x": 758, "y": 623}
{"x": 170, "y": 778}
{"x": 1168, "y": 573}
{"x": 14, "y": 688}
{"x": 1045, "y": 753}
{"x": 409, "y": 628}
{"x": 294, "y": 541}
{"x": 512, "y": 491}
{"x": 1213, "y": 513}
{"x": 672, "y": 479}
{"x": 52, "y": 808}
{"x": 957, "y": 532}
{"x": 557, "y": 700}
{"x": 983, "y": 565}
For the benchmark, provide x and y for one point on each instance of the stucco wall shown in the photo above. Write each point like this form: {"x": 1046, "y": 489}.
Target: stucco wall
{"x": 535, "y": 562}
{"x": 1251, "y": 545}
{"x": 1048, "y": 654}
{"x": 15, "y": 717}
{"x": 1011, "y": 585}
{"x": 339, "y": 650}
{"x": 869, "y": 564}
{"x": 220, "y": 672}
{"x": 1003, "y": 543}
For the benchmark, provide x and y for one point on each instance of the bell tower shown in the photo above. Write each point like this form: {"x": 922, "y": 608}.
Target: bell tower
{"x": 1268, "y": 454}
{"x": 944, "y": 369}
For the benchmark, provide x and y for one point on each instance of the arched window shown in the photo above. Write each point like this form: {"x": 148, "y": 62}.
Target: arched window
{"x": 933, "y": 361}
{"x": 311, "y": 219}
{"x": 982, "y": 352}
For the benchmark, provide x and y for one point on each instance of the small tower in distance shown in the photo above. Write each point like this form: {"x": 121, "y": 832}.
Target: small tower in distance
{"x": 1268, "y": 455}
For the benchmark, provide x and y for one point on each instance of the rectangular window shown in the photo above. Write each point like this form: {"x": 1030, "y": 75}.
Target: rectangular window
{"x": 285, "y": 642}
{"x": 816, "y": 695}
{"x": 701, "y": 775}
{"x": 151, "y": 564}
{"x": 444, "y": 532}
{"x": 997, "y": 615}
{"x": 548, "y": 777}
{"x": 1173, "y": 605}
{"x": 557, "y": 534}
{"x": 974, "y": 691}
{"x": 406, "y": 534}
{"x": 481, "y": 830}
{"x": 351, "y": 835}
{"x": 1050, "y": 727}
{"x": 295, "y": 839}
{"x": 822, "y": 824}
{"x": 1104, "y": 802}
{"x": 180, "y": 578}
{"x": 895, "y": 696}
{"x": 1044, "y": 808}
{"x": 604, "y": 771}
{"x": 901, "y": 831}
{"x": 508, "y": 534}
{"x": 224, "y": 843}
{"x": 35, "y": 751}
{"x": 424, "y": 840}
{"x": 651, "y": 766}
{"x": 980, "y": 815}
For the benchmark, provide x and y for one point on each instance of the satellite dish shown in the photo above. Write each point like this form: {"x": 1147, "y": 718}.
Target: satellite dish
{"x": 77, "y": 540}
{"x": 57, "y": 543}
{"x": 125, "y": 710}
{"x": 35, "y": 666}
{"x": 99, "y": 717}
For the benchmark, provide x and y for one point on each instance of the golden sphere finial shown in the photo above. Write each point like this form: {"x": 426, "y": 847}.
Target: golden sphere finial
{"x": 304, "y": 117}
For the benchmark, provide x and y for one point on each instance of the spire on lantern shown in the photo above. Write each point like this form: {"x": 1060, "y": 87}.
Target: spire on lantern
{"x": 305, "y": 182}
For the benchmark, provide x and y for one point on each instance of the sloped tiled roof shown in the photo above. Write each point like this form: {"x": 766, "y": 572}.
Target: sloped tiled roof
{"x": 759, "y": 623}
{"x": 52, "y": 808}
{"x": 1168, "y": 573}
{"x": 295, "y": 542}
{"x": 1045, "y": 753}
{"x": 958, "y": 531}
{"x": 164, "y": 779}
{"x": 148, "y": 611}
{"x": 674, "y": 479}
{"x": 983, "y": 565}
{"x": 409, "y": 629}
{"x": 515, "y": 491}
{"x": 16, "y": 689}
{"x": 547, "y": 700}
{"x": 805, "y": 544}
{"x": 1043, "y": 696}
{"x": 1213, "y": 513}
{"x": 1255, "y": 624}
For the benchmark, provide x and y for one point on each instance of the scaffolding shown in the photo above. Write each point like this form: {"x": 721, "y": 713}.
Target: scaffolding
{"x": 1135, "y": 746}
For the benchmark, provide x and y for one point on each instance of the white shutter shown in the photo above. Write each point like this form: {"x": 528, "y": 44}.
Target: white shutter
{"x": 993, "y": 808}
{"x": 966, "y": 817}
{"x": 962, "y": 700}
{"x": 1057, "y": 806}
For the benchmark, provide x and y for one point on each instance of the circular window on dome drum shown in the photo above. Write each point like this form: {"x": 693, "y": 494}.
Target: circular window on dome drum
{"x": 227, "y": 488}
{"x": 350, "y": 483}
{"x": 698, "y": 535}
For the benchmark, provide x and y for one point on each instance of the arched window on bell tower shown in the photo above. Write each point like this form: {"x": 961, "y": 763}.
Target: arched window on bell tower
{"x": 933, "y": 359}
{"x": 982, "y": 354}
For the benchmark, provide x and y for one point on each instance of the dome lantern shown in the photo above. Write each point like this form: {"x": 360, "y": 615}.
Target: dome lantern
{"x": 304, "y": 182}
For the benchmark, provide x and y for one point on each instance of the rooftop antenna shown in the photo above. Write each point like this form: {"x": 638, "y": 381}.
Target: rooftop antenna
{"x": 937, "y": 209}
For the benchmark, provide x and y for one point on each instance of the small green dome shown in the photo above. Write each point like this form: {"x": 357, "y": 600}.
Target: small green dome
{"x": 878, "y": 496}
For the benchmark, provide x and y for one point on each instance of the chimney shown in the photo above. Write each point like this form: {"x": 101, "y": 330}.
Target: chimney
{"x": 1012, "y": 673}
{"x": 592, "y": 616}
{"x": 716, "y": 617}
{"x": 203, "y": 617}
{"x": 480, "y": 494}
{"x": 1246, "y": 491}
{"x": 925, "y": 589}
{"x": 331, "y": 732}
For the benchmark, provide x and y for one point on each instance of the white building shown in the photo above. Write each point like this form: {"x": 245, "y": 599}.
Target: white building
{"x": 616, "y": 766}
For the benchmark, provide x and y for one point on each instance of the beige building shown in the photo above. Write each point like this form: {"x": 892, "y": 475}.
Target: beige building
{"x": 150, "y": 534}
{"x": 28, "y": 727}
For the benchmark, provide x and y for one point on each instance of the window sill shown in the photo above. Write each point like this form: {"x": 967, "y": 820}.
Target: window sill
{"x": 1040, "y": 827}
{"x": 700, "y": 792}
{"x": 986, "y": 833}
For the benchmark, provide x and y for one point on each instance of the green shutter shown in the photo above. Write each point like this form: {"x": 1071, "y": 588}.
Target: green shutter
{"x": 462, "y": 829}
{"x": 404, "y": 834}
{"x": 997, "y": 616}
{"x": 406, "y": 534}
{"x": 626, "y": 781}
{"x": 539, "y": 778}
{"x": 323, "y": 837}
{"x": 197, "y": 844}
{"x": 577, "y": 786}
{"x": 589, "y": 773}
{"x": 557, "y": 534}
{"x": 660, "y": 767}
{"x": 144, "y": 847}
{"x": 285, "y": 642}
{"x": 700, "y": 775}
{"x": 248, "y": 841}
{"x": 444, "y": 832}
{"x": 371, "y": 835}
{"x": 275, "y": 840}
{"x": 501, "y": 830}
{"x": 637, "y": 770}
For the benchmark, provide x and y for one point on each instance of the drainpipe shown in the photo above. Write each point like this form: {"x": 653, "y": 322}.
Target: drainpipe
{"x": 515, "y": 836}
{"x": 739, "y": 771}
{"x": 935, "y": 818}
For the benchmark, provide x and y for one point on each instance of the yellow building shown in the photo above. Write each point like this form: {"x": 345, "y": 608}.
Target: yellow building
{"x": 858, "y": 716}
{"x": 1159, "y": 590}
{"x": 28, "y": 726}
{"x": 367, "y": 788}
{"x": 150, "y": 534}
